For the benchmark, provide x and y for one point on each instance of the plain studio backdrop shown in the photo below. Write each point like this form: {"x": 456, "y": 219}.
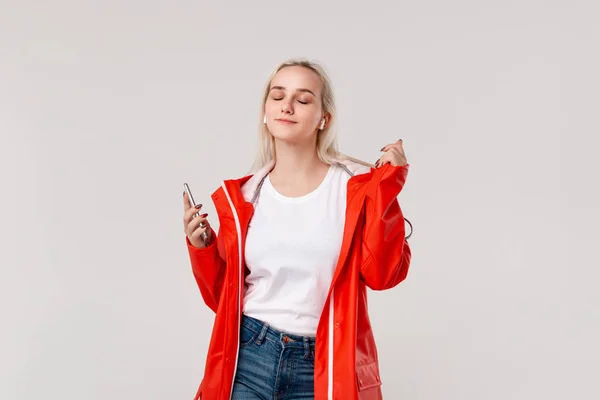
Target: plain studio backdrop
{"x": 106, "y": 108}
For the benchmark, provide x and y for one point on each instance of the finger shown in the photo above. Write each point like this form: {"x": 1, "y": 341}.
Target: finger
{"x": 385, "y": 154}
{"x": 395, "y": 158}
{"x": 386, "y": 158}
{"x": 186, "y": 202}
{"x": 398, "y": 143}
{"x": 386, "y": 147}
{"x": 399, "y": 152}
{"x": 195, "y": 223}
{"x": 198, "y": 232}
{"x": 189, "y": 214}
{"x": 200, "y": 219}
{"x": 397, "y": 146}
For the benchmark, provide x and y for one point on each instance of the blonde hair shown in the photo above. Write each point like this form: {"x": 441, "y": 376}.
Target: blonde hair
{"x": 327, "y": 149}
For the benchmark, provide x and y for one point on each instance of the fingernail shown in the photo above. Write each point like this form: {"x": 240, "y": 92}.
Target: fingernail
{"x": 198, "y": 206}
{"x": 204, "y": 215}
{"x": 382, "y": 148}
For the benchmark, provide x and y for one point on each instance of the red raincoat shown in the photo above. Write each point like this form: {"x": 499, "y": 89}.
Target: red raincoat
{"x": 374, "y": 254}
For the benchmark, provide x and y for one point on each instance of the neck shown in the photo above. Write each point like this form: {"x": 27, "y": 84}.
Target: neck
{"x": 296, "y": 160}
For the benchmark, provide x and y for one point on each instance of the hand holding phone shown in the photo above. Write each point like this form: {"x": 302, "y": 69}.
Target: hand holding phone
{"x": 196, "y": 226}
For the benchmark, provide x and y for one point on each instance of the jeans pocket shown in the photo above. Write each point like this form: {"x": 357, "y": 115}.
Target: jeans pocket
{"x": 247, "y": 336}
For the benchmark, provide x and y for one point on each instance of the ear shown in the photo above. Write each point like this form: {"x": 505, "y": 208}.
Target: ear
{"x": 327, "y": 118}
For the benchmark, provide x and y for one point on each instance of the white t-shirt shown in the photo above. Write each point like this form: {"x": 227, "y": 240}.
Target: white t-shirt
{"x": 292, "y": 248}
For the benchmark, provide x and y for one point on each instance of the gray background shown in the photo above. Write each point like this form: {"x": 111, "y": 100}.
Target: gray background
{"x": 107, "y": 108}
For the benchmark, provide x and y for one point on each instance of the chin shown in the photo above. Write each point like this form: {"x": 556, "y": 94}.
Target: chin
{"x": 288, "y": 135}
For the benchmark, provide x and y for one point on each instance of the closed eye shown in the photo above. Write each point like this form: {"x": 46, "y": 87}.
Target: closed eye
{"x": 299, "y": 101}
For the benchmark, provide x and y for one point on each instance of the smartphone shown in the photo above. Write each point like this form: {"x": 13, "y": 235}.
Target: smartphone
{"x": 193, "y": 204}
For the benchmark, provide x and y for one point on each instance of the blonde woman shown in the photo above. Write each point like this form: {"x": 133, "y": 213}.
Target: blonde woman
{"x": 300, "y": 240}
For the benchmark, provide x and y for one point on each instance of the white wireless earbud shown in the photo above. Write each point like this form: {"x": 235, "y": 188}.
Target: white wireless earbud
{"x": 322, "y": 124}
{"x": 265, "y": 119}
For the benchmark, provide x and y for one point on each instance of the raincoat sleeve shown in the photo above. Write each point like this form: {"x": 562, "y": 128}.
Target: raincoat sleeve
{"x": 385, "y": 251}
{"x": 209, "y": 269}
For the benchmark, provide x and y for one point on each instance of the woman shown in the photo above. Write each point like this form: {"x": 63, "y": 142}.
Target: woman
{"x": 299, "y": 241}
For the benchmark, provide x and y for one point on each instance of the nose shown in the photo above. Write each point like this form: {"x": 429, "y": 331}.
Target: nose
{"x": 286, "y": 107}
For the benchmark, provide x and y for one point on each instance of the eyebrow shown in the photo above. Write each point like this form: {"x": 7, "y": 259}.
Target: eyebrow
{"x": 298, "y": 90}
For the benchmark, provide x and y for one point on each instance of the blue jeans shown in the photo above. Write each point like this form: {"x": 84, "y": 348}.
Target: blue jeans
{"x": 273, "y": 365}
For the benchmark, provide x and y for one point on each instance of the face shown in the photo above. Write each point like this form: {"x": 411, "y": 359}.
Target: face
{"x": 293, "y": 107}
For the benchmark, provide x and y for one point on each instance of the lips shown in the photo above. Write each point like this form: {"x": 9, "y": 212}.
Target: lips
{"x": 285, "y": 121}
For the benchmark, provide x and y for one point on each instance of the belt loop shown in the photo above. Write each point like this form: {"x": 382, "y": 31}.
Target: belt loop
{"x": 262, "y": 334}
{"x": 306, "y": 347}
